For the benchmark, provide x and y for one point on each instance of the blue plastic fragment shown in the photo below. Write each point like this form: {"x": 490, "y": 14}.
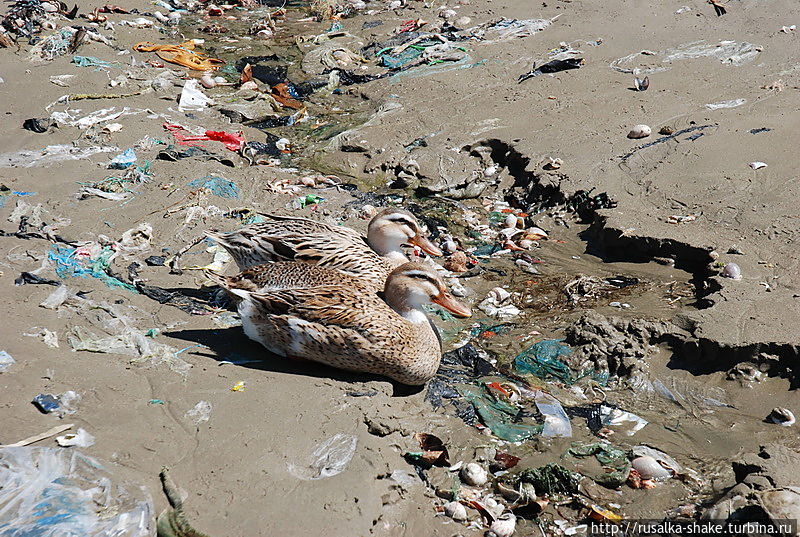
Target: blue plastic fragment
{"x": 46, "y": 402}
{"x": 124, "y": 160}
{"x": 218, "y": 186}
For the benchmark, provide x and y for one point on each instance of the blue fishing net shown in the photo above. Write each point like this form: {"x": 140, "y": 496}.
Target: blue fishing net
{"x": 218, "y": 186}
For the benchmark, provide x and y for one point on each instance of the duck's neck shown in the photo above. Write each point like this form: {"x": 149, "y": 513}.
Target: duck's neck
{"x": 395, "y": 258}
{"x": 388, "y": 243}
{"x": 409, "y": 308}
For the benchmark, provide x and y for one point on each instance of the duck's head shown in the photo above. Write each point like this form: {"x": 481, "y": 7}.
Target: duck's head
{"x": 412, "y": 285}
{"x": 392, "y": 228}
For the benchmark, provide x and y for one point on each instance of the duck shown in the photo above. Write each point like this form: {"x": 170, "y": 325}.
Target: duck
{"x": 326, "y": 316}
{"x": 288, "y": 238}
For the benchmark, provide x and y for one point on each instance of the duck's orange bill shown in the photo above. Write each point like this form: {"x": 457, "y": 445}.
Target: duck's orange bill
{"x": 449, "y": 303}
{"x": 427, "y": 246}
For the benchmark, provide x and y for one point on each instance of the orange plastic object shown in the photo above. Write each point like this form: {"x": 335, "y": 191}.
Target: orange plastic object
{"x": 183, "y": 54}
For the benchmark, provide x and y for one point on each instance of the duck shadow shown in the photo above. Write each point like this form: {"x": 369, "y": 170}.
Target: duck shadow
{"x": 231, "y": 345}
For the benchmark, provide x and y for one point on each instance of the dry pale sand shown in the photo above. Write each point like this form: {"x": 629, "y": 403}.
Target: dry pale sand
{"x": 241, "y": 467}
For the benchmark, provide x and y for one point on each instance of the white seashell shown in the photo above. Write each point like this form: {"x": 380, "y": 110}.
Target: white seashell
{"x": 732, "y": 271}
{"x": 781, "y": 416}
{"x": 358, "y": 6}
{"x": 525, "y": 243}
{"x": 368, "y": 211}
{"x": 649, "y": 468}
{"x": 265, "y": 33}
{"x": 219, "y": 79}
{"x": 493, "y": 506}
{"x": 174, "y": 17}
{"x": 757, "y": 165}
{"x": 537, "y": 233}
{"x": 640, "y": 131}
{"x": 490, "y": 171}
{"x": 463, "y": 21}
{"x": 208, "y": 81}
{"x": 511, "y": 221}
{"x": 449, "y": 246}
{"x": 249, "y": 85}
{"x": 396, "y": 4}
{"x": 474, "y": 474}
{"x": 447, "y": 13}
{"x": 283, "y": 144}
{"x": 504, "y": 526}
{"x": 456, "y": 511}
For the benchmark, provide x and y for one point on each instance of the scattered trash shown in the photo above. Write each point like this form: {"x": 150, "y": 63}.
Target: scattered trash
{"x": 49, "y": 337}
{"x": 329, "y": 458}
{"x": 239, "y": 386}
{"x": 61, "y": 405}
{"x": 42, "y": 436}
{"x": 53, "y": 492}
{"x": 192, "y": 98}
{"x": 123, "y": 161}
{"x": 726, "y": 104}
{"x": 554, "y": 66}
{"x": 615, "y": 466}
{"x": 217, "y": 186}
{"x": 200, "y": 413}
{"x": 434, "y": 452}
{"x": 79, "y": 439}
{"x": 6, "y": 361}
{"x": 550, "y": 479}
{"x": 757, "y": 165}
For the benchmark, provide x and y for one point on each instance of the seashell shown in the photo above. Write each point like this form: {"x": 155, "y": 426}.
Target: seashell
{"x": 491, "y": 171}
{"x": 474, "y": 474}
{"x": 265, "y": 33}
{"x": 219, "y": 79}
{"x": 650, "y": 468}
{"x": 283, "y": 144}
{"x": 511, "y": 221}
{"x": 208, "y": 81}
{"x": 781, "y": 416}
{"x": 732, "y": 271}
{"x": 456, "y": 511}
{"x": 641, "y": 84}
{"x": 249, "y": 85}
{"x": 494, "y": 507}
{"x": 395, "y": 4}
{"x": 504, "y": 526}
{"x": 757, "y": 165}
{"x": 640, "y": 131}
{"x": 536, "y": 233}
{"x": 358, "y": 6}
{"x": 526, "y": 243}
{"x": 447, "y": 13}
{"x": 463, "y": 21}
{"x": 666, "y": 130}
{"x": 174, "y": 17}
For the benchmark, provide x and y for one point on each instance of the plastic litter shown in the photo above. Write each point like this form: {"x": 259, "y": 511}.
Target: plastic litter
{"x": 614, "y": 461}
{"x": 61, "y": 405}
{"x": 91, "y": 61}
{"x": 192, "y": 97}
{"x": 49, "y": 337}
{"x": 79, "y": 439}
{"x": 507, "y": 29}
{"x": 542, "y": 360}
{"x": 554, "y": 66}
{"x": 556, "y": 421}
{"x": 500, "y": 416}
{"x": 6, "y": 361}
{"x": 733, "y": 103}
{"x": 218, "y": 186}
{"x": 51, "y": 154}
{"x": 727, "y": 52}
{"x": 200, "y": 413}
{"x": 57, "y": 298}
{"x": 329, "y": 458}
{"x": 551, "y": 479}
{"x": 124, "y": 160}
{"x": 183, "y": 54}
{"x": 52, "y": 492}
{"x": 616, "y": 417}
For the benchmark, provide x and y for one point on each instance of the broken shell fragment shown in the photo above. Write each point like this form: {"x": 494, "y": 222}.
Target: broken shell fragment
{"x": 649, "y": 468}
{"x": 781, "y": 416}
{"x": 474, "y": 474}
{"x": 640, "y": 131}
{"x": 504, "y": 526}
{"x": 511, "y": 221}
{"x": 249, "y": 85}
{"x": 456, "y": 511}
{"x": 757, "y": 165}
{"x": 732, "y": 271}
